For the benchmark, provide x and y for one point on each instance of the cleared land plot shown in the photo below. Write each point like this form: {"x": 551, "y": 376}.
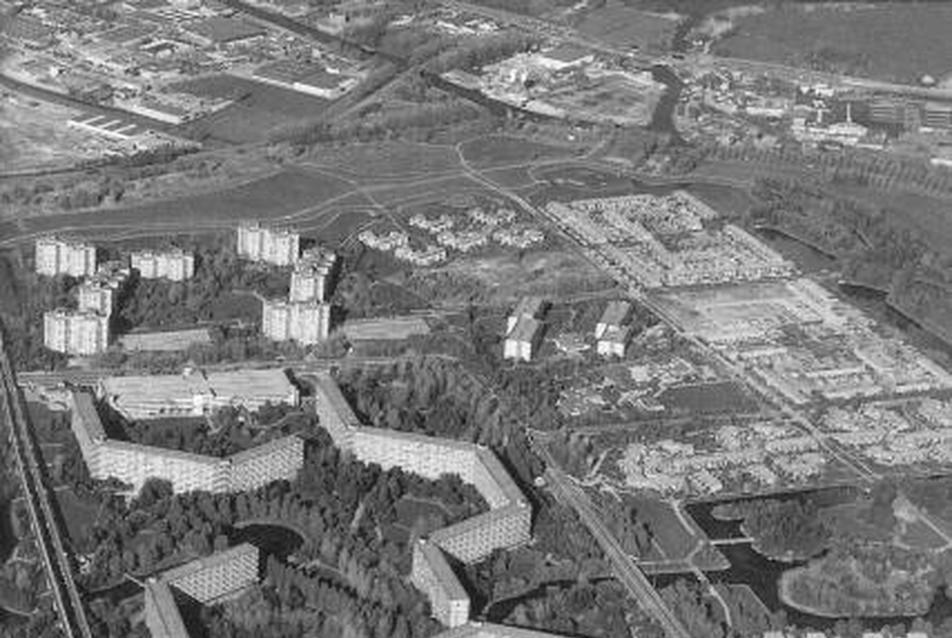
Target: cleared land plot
{"x": 34, "y": 134}
{"x": 708, "y": 397}
{"x": 427, "y": 190}
{"x": 388, "y": 159}
{"x": 514, "y": 177}
{"x": 618, "y": 25}
{"x": 505, "y": 278}
{"x": 896, "y": 42}
{"x": 272, "y": 197}
{"x": 503, "y": 150}
{"x": 258, "y": 107}
{"x": 395, "y": 328}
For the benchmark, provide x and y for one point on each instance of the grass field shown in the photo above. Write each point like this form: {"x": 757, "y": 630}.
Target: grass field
{"x": 79, "y": 515}
{"x": 897, "y": 42}
{"x": 708, "y": 398}
{"x": 500, "y": 150}
{"x": 388, "y": 159}
{"x": 273, "y": 197}
{"x": 258, "y": 108}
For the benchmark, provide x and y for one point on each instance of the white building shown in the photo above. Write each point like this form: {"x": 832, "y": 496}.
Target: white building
{"x": 175, "y": 265}
{"x": 274, "y": 246}
{"x": 523, "y": 339}
{"x": 307, "y": 322}
{"x": 75, "y": 332}
{"x": 95, "y": 297}
{"x": 529, "y": 307}
{"x": 58, "y": 257}
{"x": 614, "y": 341}
{"x": 311, "y": 277}
{"x": 615, "y": 315}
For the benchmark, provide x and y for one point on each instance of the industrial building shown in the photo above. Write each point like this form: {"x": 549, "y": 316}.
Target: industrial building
{"x": 174, "y": 265}
{"x": 528, "y": 307}
{"x": 614, "y": 341}
{"x": 207, "y": 580}
{"x": 76, "y": 332}
{"x": 134, "y": 464}
{"x": 507, "y": 524}
{"x": 280, "y": 247}
{"x": 58, "y": 257}
{"x": 307, "y": 322}
{"x": 523, "y": 339}
{"x": 194, "y": 393}
{"x": 616, "y": 314}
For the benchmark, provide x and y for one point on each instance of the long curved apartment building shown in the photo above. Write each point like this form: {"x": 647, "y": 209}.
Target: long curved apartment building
{"x": 134, "y": 463}
{"x": 506, "y": 525}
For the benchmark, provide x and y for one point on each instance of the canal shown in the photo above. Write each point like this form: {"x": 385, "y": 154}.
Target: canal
{"x": 762, "y": 574}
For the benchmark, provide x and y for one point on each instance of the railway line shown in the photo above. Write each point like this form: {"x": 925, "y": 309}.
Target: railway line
{"x": 37, "y": 495}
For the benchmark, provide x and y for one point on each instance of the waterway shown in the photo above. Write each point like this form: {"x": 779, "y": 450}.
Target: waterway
{"x": 272, "y": 539}
{"x": 762, "y": 574}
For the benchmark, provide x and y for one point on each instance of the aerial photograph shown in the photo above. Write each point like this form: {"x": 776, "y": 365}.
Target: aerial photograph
{"x": 475, "y": 319}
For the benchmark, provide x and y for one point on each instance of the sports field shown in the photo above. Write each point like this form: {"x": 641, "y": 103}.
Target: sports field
{"x": 897, "y": 42}
{"x": 258, "y": 108}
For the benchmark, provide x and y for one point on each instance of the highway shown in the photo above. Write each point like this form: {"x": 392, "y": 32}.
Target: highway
{"x": 69, "y": 606}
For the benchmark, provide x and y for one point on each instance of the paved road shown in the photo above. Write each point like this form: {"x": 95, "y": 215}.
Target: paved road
{"x": 56, "y": 561}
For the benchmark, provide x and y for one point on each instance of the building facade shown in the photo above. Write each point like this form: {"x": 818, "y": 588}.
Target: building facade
{"x": 205, "y": 580}
{"x": 75, "y": 332}
{"x": 274, "y": 246}
{"x": 174, "y": 265}
{"x": 58, "y": 257}
{"x": 432, "y": 574}
{"x": 307, "y": 322}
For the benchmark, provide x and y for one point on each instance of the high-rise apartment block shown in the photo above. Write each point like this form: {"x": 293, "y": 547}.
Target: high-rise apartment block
{"x": 58, "y": 257}
{"x": 134, "y": 463}
{"x": 206, "y": 581}
{"x": 75, "y": 332}
{"x": 310, "y": 280}
{"x": 175, "y": 265}
{"x": 280, "y": 247}
{"x": 507, "y": 524}
{"x": 100, "y": 292}
{"x": 307, "y": 322}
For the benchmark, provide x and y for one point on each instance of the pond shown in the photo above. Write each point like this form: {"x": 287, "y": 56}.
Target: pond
{"x": 272, "y": 539}
{"x": 761, "y": 574}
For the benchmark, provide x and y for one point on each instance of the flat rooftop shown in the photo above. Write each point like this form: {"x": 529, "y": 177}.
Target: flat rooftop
{"x": 208, "y": 562}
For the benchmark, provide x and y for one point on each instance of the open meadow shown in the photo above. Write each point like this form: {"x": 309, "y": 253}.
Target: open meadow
{"x": 898, "y": 42}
